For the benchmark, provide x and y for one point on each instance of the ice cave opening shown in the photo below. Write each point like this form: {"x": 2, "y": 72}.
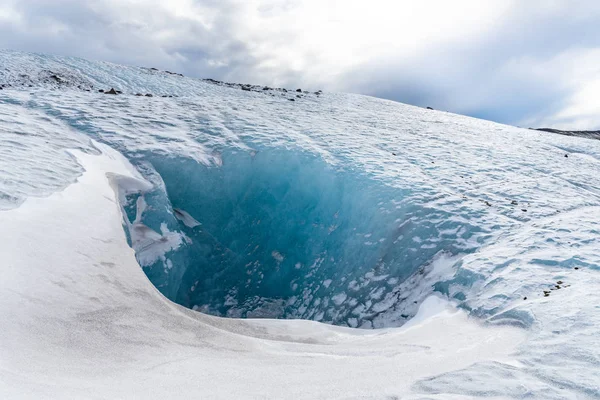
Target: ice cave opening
{"x": 278, "y": 233}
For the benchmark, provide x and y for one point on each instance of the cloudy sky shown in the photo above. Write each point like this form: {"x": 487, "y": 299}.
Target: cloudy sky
{"x": 522, "y": 62}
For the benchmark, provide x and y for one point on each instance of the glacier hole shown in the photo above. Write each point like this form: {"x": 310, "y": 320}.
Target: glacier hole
{"x": 280, "y": 234}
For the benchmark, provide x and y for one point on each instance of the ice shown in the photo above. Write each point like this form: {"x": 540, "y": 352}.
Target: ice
{"x": 481, "y": 239}
{"x": 275, "y": 223}
{"x": 186, "y": 218}
{"x": 80, "y": 318}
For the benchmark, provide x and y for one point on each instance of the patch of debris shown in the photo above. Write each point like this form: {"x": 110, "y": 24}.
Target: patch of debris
{"x": 583, "y": 134}
{"x": 115, "y": 92}
{"x": 52, "y": 79}
{"x": 153, "y": 70}
{"x": 289, "y": 94}
{"x": 556, "y": 286}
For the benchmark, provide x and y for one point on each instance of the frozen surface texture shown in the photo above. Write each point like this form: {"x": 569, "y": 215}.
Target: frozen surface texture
{"x": 338, "y": 208}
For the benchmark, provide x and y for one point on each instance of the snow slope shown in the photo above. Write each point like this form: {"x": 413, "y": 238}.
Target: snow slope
{"x": 332, "y": 207}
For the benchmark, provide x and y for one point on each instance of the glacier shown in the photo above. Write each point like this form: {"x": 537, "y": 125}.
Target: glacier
{"x": 220, "y": 241}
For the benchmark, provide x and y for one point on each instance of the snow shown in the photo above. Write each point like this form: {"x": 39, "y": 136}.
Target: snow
{"x": 82, "y": 321}
{"x": 480, "y": 276}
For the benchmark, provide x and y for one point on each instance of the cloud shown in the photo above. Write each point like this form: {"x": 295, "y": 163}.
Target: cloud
{"x": 197, "y": 38}
{"x": 528, "y": 63}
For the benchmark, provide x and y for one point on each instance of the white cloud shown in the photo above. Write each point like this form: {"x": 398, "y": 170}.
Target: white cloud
{"x": 578, "y": 72}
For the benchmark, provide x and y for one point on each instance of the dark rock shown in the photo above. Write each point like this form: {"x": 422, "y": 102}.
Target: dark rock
{"x": 164, "y": 95}
{"x": 514, "y": 202}
{"x": 299, "y": 90}
{"x": 246, "y": 88}
{"x": 154, "y": 69}
{"x": 139, "y": 94}
{"x": 118, "y": 91}
{"x": 111, "y": 91}
{"x": 149, "y": 95}
{"x": 266, "y": 88}
{"x": 298, "y": 96}
{"x": 487, "y": 203}
{"x": 559, "y": 282}
{"x": 524, "y": 209}
{"x": 525, "y": 298}
{"x": 576, "y": 268}
{"x": 101, "y": 90}
{"x": 566, "y": 156}
{"x": 393, "y": 154}
{"x": 285, "y": 90}
{"x": 291, "y": 100}
{"x": 429, "y": 108}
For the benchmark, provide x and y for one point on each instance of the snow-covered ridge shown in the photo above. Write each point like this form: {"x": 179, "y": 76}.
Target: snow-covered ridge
{"x": 583, "y": 134}
{"x": 340, "y": 208}
{"x": 43, "y": 71}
